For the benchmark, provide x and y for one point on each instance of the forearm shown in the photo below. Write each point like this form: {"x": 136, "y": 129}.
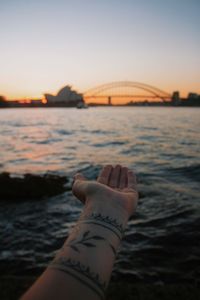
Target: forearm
{"x": 83, "y": 266}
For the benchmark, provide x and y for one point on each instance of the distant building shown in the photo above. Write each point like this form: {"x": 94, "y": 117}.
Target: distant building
{"x": 193, "y": 96}
{"x": 193, "y": 99}
{"x": 66, "y": 96}
{"x": 175, "y": 98}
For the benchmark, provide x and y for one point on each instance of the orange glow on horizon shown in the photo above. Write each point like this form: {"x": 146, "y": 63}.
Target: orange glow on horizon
{"x": 118, "y": 101}
{"x": 12, "y": 96}
{"x": 24, "y": 101}
{"x": 44, "y": 101}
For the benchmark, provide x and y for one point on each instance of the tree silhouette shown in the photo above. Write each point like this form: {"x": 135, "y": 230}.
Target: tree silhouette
{"x": 3, "y": 101}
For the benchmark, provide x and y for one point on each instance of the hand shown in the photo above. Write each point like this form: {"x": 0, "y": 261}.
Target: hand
{"x": 115, "y": 187}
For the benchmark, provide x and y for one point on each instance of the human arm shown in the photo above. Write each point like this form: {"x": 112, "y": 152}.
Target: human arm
{"x": 83, "y": 266}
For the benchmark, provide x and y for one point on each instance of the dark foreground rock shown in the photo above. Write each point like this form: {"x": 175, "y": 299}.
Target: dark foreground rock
{"x": 11, "y": 288}
{"x": 31, "y": 186}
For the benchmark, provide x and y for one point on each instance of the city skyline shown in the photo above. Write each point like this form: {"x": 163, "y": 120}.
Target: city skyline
{"x": 48, "y": 44}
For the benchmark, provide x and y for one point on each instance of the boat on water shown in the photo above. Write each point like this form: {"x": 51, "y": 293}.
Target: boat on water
{"x": 81, "y": 105}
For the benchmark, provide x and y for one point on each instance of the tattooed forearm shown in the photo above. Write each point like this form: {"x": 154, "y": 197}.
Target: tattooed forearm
{"x": 104, "y": 221}
{"x": 81, "y": 273}
{"x": 93, "y": 231}
{"x": 87, "y": 240}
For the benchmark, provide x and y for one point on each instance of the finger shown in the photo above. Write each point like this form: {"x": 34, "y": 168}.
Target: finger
{"x": 78, "y": 186}
{"x": 105, "y": 174}
{"x": 132, "y": 182}
{"x": 114, "y": 177}
{"x": 123, "y": 178}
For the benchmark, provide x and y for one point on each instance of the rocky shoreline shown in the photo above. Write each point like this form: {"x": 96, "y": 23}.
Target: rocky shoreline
{"x": 30, "y": 186}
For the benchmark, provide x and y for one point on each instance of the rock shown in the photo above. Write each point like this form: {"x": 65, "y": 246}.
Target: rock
{"x": 31, "y": 186}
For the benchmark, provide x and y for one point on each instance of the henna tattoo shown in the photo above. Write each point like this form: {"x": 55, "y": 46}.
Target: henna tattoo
{"x": 106, "y": 222}
{"x": 74, "y": 243}
{"x": 81, "y": 273}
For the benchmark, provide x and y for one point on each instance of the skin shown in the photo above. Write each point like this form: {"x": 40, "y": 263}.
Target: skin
{"x": 114, "y": 196}
{"x": 115, "y": 186}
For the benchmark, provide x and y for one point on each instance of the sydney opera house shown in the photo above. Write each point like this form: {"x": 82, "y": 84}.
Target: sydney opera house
{"x": 65, "y": 97}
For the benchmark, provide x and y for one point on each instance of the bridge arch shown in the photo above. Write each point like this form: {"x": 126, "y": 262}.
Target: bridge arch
{"x": 102, "y": 90}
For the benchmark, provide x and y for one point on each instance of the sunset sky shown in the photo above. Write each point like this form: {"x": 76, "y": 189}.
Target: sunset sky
{"x": 47, "y": 44}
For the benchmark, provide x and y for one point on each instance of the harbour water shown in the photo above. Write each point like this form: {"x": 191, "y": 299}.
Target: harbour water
{"x": 162, "y": 240}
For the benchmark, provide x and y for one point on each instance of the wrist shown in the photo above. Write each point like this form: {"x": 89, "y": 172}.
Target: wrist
{"x": 106, "y": 207}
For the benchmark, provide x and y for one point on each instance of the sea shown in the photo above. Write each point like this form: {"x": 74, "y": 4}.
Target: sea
{"x": 161, "y": 144}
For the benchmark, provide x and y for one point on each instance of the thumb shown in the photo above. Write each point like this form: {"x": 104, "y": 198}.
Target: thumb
{"x": 79, "y": 176}
{"x": 79, "y": 187}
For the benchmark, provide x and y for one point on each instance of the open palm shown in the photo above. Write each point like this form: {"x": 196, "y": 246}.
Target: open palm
{"x": 115, "y": 185}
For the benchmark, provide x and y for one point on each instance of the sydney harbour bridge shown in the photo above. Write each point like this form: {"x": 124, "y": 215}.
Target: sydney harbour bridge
{"x": 126, "y": 91}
